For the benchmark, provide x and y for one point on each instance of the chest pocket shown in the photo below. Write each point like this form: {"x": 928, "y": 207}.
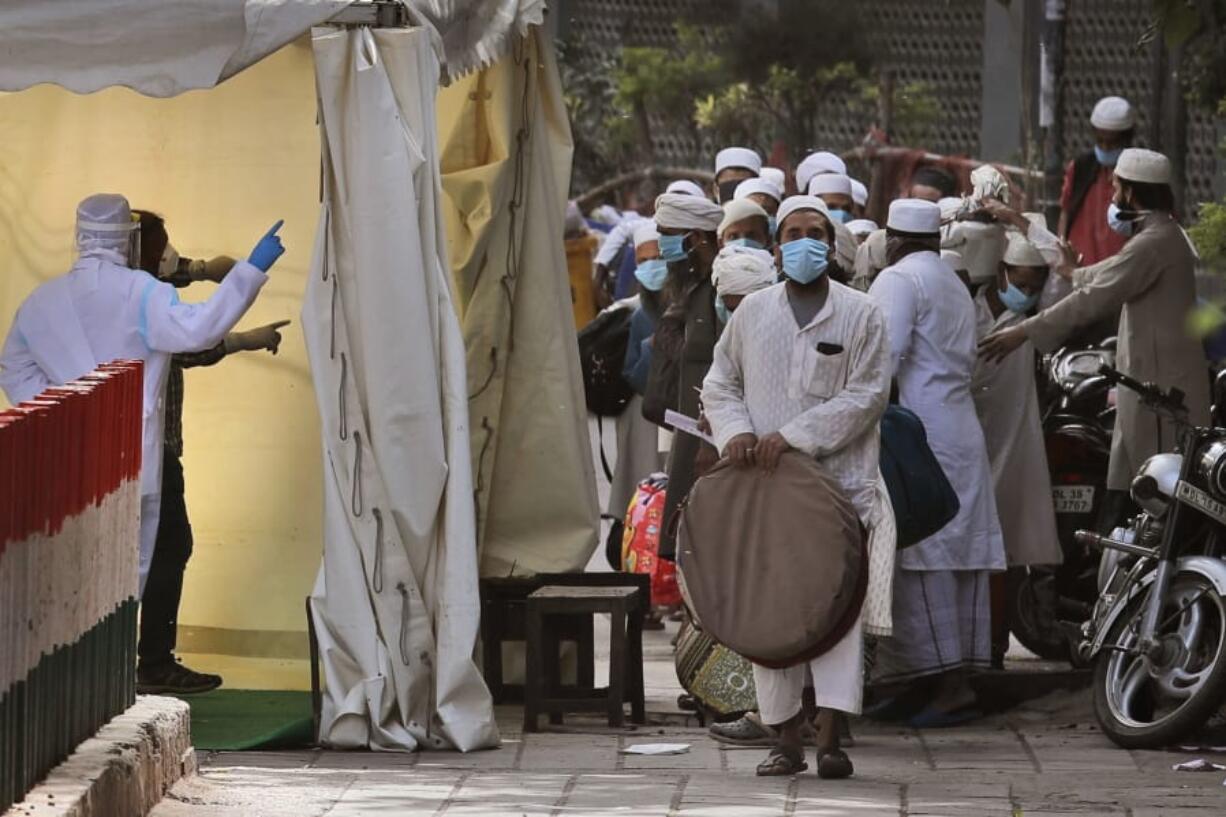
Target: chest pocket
{"x": 827, "y": 370}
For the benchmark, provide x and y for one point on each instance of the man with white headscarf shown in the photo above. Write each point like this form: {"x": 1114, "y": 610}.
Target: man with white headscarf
{"x": 745, "y": 224}
{"x": 941, "y": 585}
{"x": 805, "y": 365}
{"x": 105, "y": 309}
{"x": 739, "y": 271}
{"x": 686, "y": 332}
{"x": 733, "y": 166}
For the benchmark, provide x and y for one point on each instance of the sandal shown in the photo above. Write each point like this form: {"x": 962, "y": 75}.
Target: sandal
{"x": 834, "y": 765}
{"x": 783, "y": 761}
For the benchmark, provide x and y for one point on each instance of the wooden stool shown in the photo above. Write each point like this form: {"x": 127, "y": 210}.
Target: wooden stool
{"x": 543, "y": 691}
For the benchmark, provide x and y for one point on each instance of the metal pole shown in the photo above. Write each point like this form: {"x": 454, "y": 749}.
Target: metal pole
{"x": 1051, "y": 103}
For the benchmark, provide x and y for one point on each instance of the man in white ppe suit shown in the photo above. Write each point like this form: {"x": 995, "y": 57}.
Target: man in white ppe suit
{"x": 104, "y": 310}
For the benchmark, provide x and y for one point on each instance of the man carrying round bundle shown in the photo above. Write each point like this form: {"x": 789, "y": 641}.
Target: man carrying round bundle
{"x": 804, "y": 365}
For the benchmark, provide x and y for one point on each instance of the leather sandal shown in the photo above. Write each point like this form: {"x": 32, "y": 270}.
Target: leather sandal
{"x": 834, "y": 765}
{"x": 783, "y": 761}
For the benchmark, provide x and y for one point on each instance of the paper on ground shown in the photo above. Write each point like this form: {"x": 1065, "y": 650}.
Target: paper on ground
{"x": 657, "y": 749}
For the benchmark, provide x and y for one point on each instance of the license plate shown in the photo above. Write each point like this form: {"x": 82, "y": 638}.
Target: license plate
{"x": 1199, "y": 499}
{"x": 1073, "y": 498}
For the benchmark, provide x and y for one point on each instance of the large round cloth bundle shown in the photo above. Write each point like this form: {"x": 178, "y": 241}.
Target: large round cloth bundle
{"x": 773, "y": 566}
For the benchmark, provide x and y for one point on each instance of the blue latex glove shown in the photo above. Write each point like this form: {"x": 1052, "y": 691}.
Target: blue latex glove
{"x": 268, "y": 250}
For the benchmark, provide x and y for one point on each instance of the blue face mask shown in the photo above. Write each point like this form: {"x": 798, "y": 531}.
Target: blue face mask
{"x": 804, "y": 260}
{"x": 1015, "y": 300}
{"x": 1107, "y": 158}
{"x": 1122, "y": 221}
{"x": 652, "y": 274}
{"x": 672, "y": 248}
{"x": 840, "y": 215}
{"x": 721, "y": 311}
{"x": 745, "y": 242}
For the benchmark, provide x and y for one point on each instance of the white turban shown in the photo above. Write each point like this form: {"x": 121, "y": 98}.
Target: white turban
{"x": 645, "y": 231}
{"x": 793, "y": 203}
{"x": 742, "y": 270}
{"x": 859, "y": 193}
{"x": 687, "y": 187}
{"x": 815, "y": 163}
{"x": 775, "y": 176}
{"x": 739, "y": 210}
{"x": 680, "y": 211}
{"x": 759, "y": 185}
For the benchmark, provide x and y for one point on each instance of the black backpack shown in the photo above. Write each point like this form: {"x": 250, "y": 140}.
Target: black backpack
{"x": 602, "y": 352}
{"x": 920, "y": 493}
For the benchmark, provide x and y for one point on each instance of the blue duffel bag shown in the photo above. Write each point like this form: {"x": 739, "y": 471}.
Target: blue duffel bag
{"x": 923, "y": 500}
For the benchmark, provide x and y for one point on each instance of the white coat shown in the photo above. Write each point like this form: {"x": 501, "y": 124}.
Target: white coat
{"x": 102, "y": 311}
{"x": 1007, "y": 400}
{"x": 930, "y": 321}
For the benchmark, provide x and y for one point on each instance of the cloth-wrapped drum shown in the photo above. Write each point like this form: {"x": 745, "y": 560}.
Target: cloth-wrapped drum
{"x": 772, "y": 566}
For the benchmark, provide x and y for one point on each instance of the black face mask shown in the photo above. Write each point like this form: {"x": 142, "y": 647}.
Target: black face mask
{"x": 727, "y": 190}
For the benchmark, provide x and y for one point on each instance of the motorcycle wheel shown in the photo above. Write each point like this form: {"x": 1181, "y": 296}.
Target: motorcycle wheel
{"x": 1146, "y": 704}
{"x": 1032, "y": 604}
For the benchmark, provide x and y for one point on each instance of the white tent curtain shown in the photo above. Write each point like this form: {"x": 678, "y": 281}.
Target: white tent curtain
{"x": 156, "y": 47}
{"x": 396, "y": 604}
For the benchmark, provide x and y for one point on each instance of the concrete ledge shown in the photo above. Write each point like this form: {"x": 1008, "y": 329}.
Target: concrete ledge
{"x": 123, "y": 770}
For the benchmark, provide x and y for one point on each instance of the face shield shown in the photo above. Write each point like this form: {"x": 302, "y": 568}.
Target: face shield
{"x": 106, "y": 227}
{"x": 169, "y": 264}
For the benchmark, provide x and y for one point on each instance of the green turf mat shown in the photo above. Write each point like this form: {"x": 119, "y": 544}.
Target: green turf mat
{"x": 236, "y": 719}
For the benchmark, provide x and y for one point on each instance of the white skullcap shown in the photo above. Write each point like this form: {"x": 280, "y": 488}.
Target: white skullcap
{"x": 954, "y": 259}
{"x": 759, "y": 185}
{"x": 830, "y": 183}
{"x": 679, "y": 211}
{"x": 104, "y": 222}
{"x": 859, "y": 193}
{"x": 1113, "y": 113}
{"x": 775, "y": 176}
{"x": 645, "y": 231}
{"x": 793, "y": 203}
{"x": 1021, "y": 253}
{"x": 1145, "y": 166}
{"x": 861, "y": 226}
{"x": 817, "y": 163}
{"x": 685, "y": 187}
{"x": 914, "y": 216}
{"x": 742, "y": 270}
{"x": 739, "y": 210}
{"x": 738, "y": 157}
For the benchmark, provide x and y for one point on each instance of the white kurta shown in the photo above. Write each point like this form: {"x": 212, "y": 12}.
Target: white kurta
{"x": 101, "y": 311}
{"x": 930, "y": 320}
{"x": 1007, "y": 401}
{"x": 769, "y": 376}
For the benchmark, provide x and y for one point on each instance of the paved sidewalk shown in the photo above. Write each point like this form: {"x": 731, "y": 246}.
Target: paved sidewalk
{"x": 1044, "y": 758}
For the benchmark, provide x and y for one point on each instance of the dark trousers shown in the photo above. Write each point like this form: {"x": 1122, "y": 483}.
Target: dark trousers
{"x": 159, "y": 613}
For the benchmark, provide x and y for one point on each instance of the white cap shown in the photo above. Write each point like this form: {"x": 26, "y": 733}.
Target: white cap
{"x": 914, "y": 216}
{"x": 685, "y": 186}
{"x": 954, "y": 259}
{"x": 816, "y": 163}
{"x": 739, "y": 210}
{"x": 793, "y": 203}
{"x": 738, "y": 157}
{"x": 1145, "y": 166}
{"x": 861, "y": 226}
{"x": 775, "y": 176}
{"x": 1113, "y": 113}
{"x": 1021, "y": 253}
{"x": 859, "y": 193}
{"x": 830, "y": 183}
{"x": 646, "y": 231}
{"x": 759, "y": 185}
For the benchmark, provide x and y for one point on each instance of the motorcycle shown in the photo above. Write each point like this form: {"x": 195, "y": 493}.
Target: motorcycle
{"x": 1157, "y": 633}
{"x": 1046, "y": 604}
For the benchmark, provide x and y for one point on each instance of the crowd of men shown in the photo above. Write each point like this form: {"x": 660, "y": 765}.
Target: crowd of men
{"x": 770, "y": 309}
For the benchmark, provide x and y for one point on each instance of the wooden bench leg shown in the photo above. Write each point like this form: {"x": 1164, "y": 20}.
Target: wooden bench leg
{"x": 634, "y": 668}
{"x": 551, "y": 644}
{"x": 533, "y": 669}
{"x": 617, "y": 666}
{"x": 586, "y": 676}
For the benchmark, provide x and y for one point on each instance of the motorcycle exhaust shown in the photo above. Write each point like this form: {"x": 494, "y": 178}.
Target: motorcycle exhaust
{"x": 1099, "y": 542}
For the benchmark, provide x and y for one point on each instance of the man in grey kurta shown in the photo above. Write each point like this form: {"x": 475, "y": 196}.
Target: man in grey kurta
{"x": 1152, "y": 280}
